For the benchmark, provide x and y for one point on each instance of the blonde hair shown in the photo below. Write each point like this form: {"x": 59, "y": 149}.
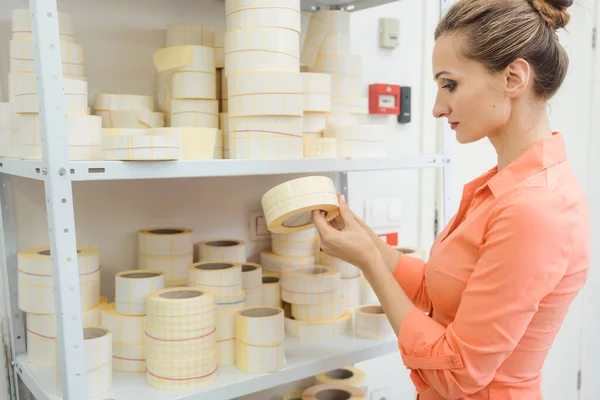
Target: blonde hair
{"x": 498, "y": 32}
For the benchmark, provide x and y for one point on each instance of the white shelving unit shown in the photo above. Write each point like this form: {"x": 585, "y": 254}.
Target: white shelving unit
{"x": 58, "y": 173}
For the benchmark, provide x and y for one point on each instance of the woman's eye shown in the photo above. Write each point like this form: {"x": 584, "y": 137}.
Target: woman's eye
{"x": 450, "y": 86}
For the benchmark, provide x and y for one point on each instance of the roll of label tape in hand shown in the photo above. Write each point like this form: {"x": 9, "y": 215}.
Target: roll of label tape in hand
{"x": 288, "y": 207}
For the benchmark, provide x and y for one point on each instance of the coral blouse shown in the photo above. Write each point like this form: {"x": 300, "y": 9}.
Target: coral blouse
{"x": 498, "y": 282}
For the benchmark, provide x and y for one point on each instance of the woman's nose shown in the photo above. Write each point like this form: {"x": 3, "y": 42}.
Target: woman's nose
{"x": 440, "y": 110}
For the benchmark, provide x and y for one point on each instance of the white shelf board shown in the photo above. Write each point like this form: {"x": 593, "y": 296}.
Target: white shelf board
{"x": 304, "y": 359}
{"x": 122, "y": 170}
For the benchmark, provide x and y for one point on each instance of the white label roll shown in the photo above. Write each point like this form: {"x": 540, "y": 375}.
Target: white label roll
{"x": 24, "y": 49}
{"x": 274, "y": 17}
{"x": 237, "y": 5}
{"x": 318, "y": 330}
{"x": 350, "y": 376}
{"x": 188, "y": 33}
{"x": 196, "y": 143}
{"x": 173, "y": 267}
{"x": 82, "y": 130}
{"x": 288, "y": 207}
{"x": 76, "y": 153}
{"x": 317, "y": 279}
{"x": 176, "y": 302}
{"x": 173, "y": 350}
{"x": 226, "y": 352}
{"x": 336, "y": 21}
{"x": 229, "y": 250}
{"x": 371, "y": 322}
{"x": 188, "y": 58}
{"x": 23, "y": 90}
{"x": 304, "y": 243}
{"x": 313, "y": 41}
{"x": 259, "y": 359}
{"x": 271, "y": 291}
{"x": 130, "y": 119}
{"x": 224, "y": 279}
{"x": 168, "y": 241}
{"x": 198, "y": 113}
{"x": 175, "y": 375}
{"x": 132, "y": 287}
{"x": 346, "y": 86}
{"x": 276, "y": 263}
{"x": 314, "y": 122}
{"x": 336, "y": 43}
{"x": 127, "y": 340}
{"x": 319, "y": 312}
{"x": 351, "y": 292}
{"x": 260, "y": 326}
{"x": 319, "y": 147}
{"x": 254, "y": 296}
{"x": 281, "y": 125}
{"x": 21, "y": 23}
{"x": 194, "y": 85}
{"x": 251, "y": 275}
{"x": 264, "y": 145}
{"x": 115, "y": 102}
{"x": 347, "y": 270}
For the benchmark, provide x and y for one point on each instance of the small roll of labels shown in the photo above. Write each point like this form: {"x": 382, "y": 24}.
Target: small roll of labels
{"x": 24, "y": 89}
{"x": 41, "y": 334}
{"x": 274, "y": 17}
{"x": 36, "y": 286}
{"x": 351, "y": 292}
{"x": 180, "y": 338}
{"x": 223, "y": 278}
{"x": 21, "y": 25}
{"x": 227, "y": 308}
{"x": 300, "y": 244}
{"x": 333, "y": 391}
{"x": 188, "y": 33}
{"x": 97, "y": 344}
{"x": 271, "y": 291}
{"x": 260, "y": 335}
{"x": 132, "y": 287}
{"x": 310, "y": 285}
{"x": 318, "y": 330}
{"x": 193, "y": 85}
{"x": 82, "y": 130}
{"x": 371, "y": 322}
{"x": 127, "y": 340}
{"x": 288, "y": 207}
{"x": 195, "y": 113}
{"x": 252, "y": 284}
{"x": 130, "y": 119}
{"x": 229, "y": 250}
{"x": 347, "y": 270}
{"x": 276, "y": 263}
{"x": 315, "y": 35}
{"x": 169, "y": 250}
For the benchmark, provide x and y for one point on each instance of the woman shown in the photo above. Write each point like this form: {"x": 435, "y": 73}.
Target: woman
{"x": 500, "y": 278}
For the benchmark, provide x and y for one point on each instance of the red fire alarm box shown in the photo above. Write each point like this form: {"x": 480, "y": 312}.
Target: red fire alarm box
{"x": 384, "y": 99}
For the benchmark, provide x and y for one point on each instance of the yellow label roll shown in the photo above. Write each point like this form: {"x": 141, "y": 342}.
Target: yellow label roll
{"x": 259, "y": 359}
{"x": 21, "y": 23}
{"x": 225, "y": 279}
{"x": 175, "y": 302}
{"x": 345, "y": 64}
{"x": 194, "y": 85}
{"x": 333, "y": 391}
{"x": 220, "y": 48}
{"x": 198, "y": 113}
{"x": 173, "y": 267}
{"x": 188, "y": 33}
{"x": 317, "y": 90}
{"x": 177, "y": 375}
{"x": 349, "y": 375}
{"x": 188, "y": 58}
{"x": 319, "y": 147}
{"x": 318, "y": 330}
{"x": 97, "y": 344}
{"x": 196, "y": 143}
{"x": 288, "y": 207}
{"x": 347, "y": 270}
{"x": 336, "y": 43}
{"x": 23, "y": 90}
{"x": 260, "y": 326}
{"x": 271, "y": 291}
{"x": 73, "y": 71}
{"x": 132, "y": 287}
{"x": 251, "y": 276}
{"x": 264, "y": 145}
{"x": 297, "y": 395}
{"x": 371, "y": 322}
{"x": 168, "y": 241}
{"x": 275, "y": 263}
{"x": 36, "y": 286}
{"x": 229, "y": 250}
{"x": 308, "y": 280}
{"x": 227, "y": 308}
{"x": 272, "y": 17}
{"x": 319, "y": 312}
{"x": 174, "y": 350}
{"x": 315, "y": 35}
{"x": 116, "y": 102}
{"x": 127, "y": 340}
{"x": 351, "y": 292}
{"x": 254, "y": 296}
{"x": 141, "y": 147}
{"x": 130, "y": 119}
{"x": 314, "y": 122}
{"x": 24, "y": 49}
{"x": 336, "y": 21}
{"x": 282, "y": 125}
{"x": 309, "y": 298}
{"x": 300, "y": 244}
{"x": 82, "y": 130}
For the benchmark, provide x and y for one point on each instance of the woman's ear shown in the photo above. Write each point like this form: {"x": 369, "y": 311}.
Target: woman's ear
{"x": 518, "y": 77}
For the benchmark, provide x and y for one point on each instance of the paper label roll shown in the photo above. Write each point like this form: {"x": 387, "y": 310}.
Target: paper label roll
{"x": 134, "y": 142}
{"x": 130, "y": 119}
{"x": 336, "y": 21}
{"x": 193, "y": 34}
{"x": 295, "y": 244}
{"x": 188, "y": 58}
{"x": 371, "y": 322}
{"x": 344, "y": 64}
{"x": 319, "y": 147}
{"x": 116, "y": 102}
{"x": 347, "y": 270}
{"x": 24, "y": 49}
{"x": 272, "y": 17}
{"x": 179, "y": 385}
{"x": 82, "y": 130}
{"x": 316, "y": 83}
{"x": 310, "y": 298}
{"x": 288, "y": 207}
{"x": 224, "y": 279}
{"x": 336, "y": 43}
{"x": 281, "y": 125}
{"x": 259, "y": 359}
{"x": 23, "y": 94}
{"x": 200, "y": 113}
{"x": 265, "y": 104}
{"x": 318, "y": 330}
{"x": 251, "y": 276}
{"x": 235, "y": 5}
{"x": 194, "y": 85}
{"x": 132, "y": 287}
{"x": 316, "y": 279}
{"x": 73, "y": 71}
{"x": 226, "y": 352}
{"x": 313, "y": 41}
{"x": 314, "y": 122}
{"x": 333, "y": 391}
{"x": 176, "y": 375}
{"x": 260, "y": 326}
{"x": 21, "y": 22}
{"x": 349, "y": 375}
{"x": 127, "y": 340}
{"x": 174, "y": 350}
{"x": 196, "y": 143}
{"x": 346, "y": 86}
{"x": 272, "y": 262}
{"x": 176, "y": 302}
{"x": 351, "y": 292}
{"x": 97, "y": 344}
{"x": 271, "y": 291}
{"x": 260, "y": 82}
{"x": 230, "y": 250}
{"x": 264, "y": 145}
{"x": 227, "y": 308}
{"x": 254, "y": 297}
{"x": 319, "y": 312}
{"x": 168, "y": 241}
{"x": 173, "y": 267}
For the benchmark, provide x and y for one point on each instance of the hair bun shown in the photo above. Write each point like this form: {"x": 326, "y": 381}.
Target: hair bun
{"x": 561, "y": 3}
{"x": 554, "y": 12}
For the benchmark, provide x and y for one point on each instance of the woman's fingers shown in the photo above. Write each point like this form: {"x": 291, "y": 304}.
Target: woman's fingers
{"x": 320, "y": 222}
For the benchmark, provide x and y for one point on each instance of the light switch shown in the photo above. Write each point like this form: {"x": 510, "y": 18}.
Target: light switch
{"x": 376, "y": 212}
{"x": 257, "y": 225}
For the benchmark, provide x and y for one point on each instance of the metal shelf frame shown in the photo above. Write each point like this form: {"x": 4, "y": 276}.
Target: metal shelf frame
{"x": 58, "y": 173}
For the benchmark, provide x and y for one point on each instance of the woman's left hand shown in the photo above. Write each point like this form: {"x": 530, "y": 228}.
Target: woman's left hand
{"x": 344, "y": 238}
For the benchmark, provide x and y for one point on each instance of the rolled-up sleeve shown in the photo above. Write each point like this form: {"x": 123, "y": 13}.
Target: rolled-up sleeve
{"x": 410, "y": 275}
{"x": 525, "y": 254}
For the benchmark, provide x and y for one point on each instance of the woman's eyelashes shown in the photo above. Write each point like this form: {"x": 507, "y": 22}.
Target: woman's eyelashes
{"x": 450, "y": 85}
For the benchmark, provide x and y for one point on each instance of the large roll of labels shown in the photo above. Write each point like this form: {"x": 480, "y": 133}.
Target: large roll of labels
{"x": 276, "y": 263}
{"x": 23, "y": 88}
{"x": 189, "y": 33}
{"x": 224, "y": 279}
{"x": 315, "y": 35}
{"x": 82, "y": 130}
{"x": 127, "y": 339}
{"x": 230, "y": 250}
{"x": 187, "y": 58}
{"x": 319, "y": 312}
{"x": 315, "y": 147}
{"x": 299, "y": 244}
{"x": 349, "y": 375}
{"x": 310, "y": 285}
{"x": 21, "y": 25}
{"x": 133, "y": 287}
{"x": 198, "y": 113}
{"x": 287, "y": 17}
{"x": 168, "y": 249}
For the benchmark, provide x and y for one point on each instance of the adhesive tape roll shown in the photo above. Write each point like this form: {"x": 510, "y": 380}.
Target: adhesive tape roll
{"x": 320, "y": 147}
{"x": 97, "y": 344}
{"x": 276, "y": 263}
{"x": 176, "y": 350}
{"x": 273, "y": 17}
{"x": 264, "y": 145}
{"x": 224, "y": 279}
{"x": 24, "y": 49}
{"x": 127, "y": 340}
{"x": 194, "y": 85}
{"x": 336, "y": 21}
{"x": 318, "y": 330}
{"x": 259, "y": 359}
{"x": 235, "y": 5}
{"x": 36, "y": 286}
{"x": 315, "y": 35}
{"x": 297, "y": 395}
{"x": 314, "y": 122}
{"x": 82, "y": 130}
{"x": 288, "y": 207}
{"x": 188, "y": 58}
{"x": 116, "y": 102}
{"x": 206, "y": 322}
{"x": 319, "y": 312}
{"x": 167, "y": 241}
{"x": 21, "y": 22}
{"x": 254, "y": 296}
{"x": 358, "y": 149}
{"x": 230, "y": 250}
{"x": 200, "y": 113}
{"x": 129, "y": 119}
{"x": 251, "y": 276}
{"x": 345, "y": 64}
{"x": 351, "y": 292}
{"x": 347, "y": 270}
{"x": 173, "y": 267}
{"x": 310, "y": 298}
{"x": 286, "y": 246}
{"x": 271, "y": 291}
{"x": 349, "y": 375}
{"x": 371, "y": 322}
{"x": 226, "y": 352}
{"x": 336, "y": 43}
{"x": 308, "y": 280}
{"x": 412, "y": 251}
{"x": 175, "y": 302}
{"x": 220, "y": 48}
{"x": 188, "y": 33}
{"x": 170, "y": 375}
{"x": 260, "y": 326}
{"x": 132, "y": 287}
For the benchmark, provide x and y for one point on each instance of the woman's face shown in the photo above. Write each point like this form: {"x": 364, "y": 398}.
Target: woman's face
{"x": 472, "y": 98}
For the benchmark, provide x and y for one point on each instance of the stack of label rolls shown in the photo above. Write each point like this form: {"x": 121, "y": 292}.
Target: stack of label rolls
{"x": 260, "y": 336}
{"x": 317, "y": 105}
{"x": 271, "y": 289}
{"x": 230, "y": 250}
{"x": 180, "y": 332}
{"x": 169, "y": 250}
{"x": 317, "y": 308}
{"x": 125, "y": 317}
{"x": 225, "y": 280}
{"x": 252, "y": 283}
{"x": 291, "y": 250}
{"x": 36, "y": 298}
{"x": 351, "y": 280}
{"x": 264, "y": 86}
{"x": 83, "y": 132}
